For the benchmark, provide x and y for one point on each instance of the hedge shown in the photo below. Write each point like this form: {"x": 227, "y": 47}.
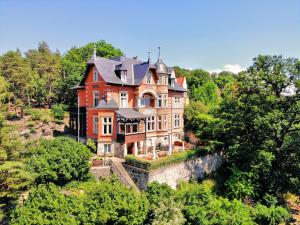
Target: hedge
{"x": 162, "y": 161}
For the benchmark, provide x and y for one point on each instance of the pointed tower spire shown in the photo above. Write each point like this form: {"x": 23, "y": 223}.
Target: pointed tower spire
{"x": 158, "y": 52}
{"x": 149, "y": 59}
{"x": 94, "y": 53}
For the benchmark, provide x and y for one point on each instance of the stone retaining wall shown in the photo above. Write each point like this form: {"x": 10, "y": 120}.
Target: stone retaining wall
{"x": 173, "y": 174}
{"x": 103, "y": 171}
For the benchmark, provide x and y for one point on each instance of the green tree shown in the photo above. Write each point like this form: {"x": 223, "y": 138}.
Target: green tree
{"x": 260, "y": 124}
{"x": 59, "y": 161}
{"x": 224, "y": 78}
{"x": 164, "y": 207}
{"x": 58, "y": 111}
{"x": 47, "y": 65}
{"x": 15, "y": 177}
{"x": 17, "y": 71}
{"x": 103, "y": 202}
{"x": 197, "y": 118}
{"x": 45, "y": 205}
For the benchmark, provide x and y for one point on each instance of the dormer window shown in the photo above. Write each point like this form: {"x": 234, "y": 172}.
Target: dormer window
{"x": 149, "y": 77}
{"x": 172, "y": 82}
{"x": 124, "y": 75}
{"x": 96, "y": 75}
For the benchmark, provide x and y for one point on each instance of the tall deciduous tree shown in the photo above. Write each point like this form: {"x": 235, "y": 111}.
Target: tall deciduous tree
{"x": 260, "y": 127}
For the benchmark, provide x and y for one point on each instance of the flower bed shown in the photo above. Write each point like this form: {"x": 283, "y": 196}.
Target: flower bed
{"x": 148, "y": 165}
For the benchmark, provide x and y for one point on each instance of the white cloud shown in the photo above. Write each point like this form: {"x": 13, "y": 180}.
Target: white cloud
{"x": 234, "y": 68}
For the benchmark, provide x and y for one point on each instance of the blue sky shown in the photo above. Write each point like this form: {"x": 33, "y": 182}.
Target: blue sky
{"x": 209, "y": 34}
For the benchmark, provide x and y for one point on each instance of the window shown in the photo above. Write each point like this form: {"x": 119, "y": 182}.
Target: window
{"x": 159, "y": 101}
{"x": 121, "y": 128}
{"x": 107, "y": 148}
{"x": 96, "y": 98}
{"x": 135, "y": 128}
{"x": 176, "y": 120}
{"x": 165, "y": 122}
{"x": 151, "y": 123}
{"x": 123, "y": 99}
{"x": 95, "y": 124}
{"x": 177, "y": 102}
{"x": 165, "y": 99}
{"x": 128, "y": 128}
{"x": 159, "y": 123}
{"x": 106, "y": 125}
{"x": 149, "y": 77}
{"x": 124, "y": 76}
{"x": 96, "y": 75}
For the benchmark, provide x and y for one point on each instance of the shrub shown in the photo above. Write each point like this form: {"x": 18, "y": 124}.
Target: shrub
{"x": 161, "y": 162}
{"x": 59, "y": 161}
{"x": 35, "y": 114}
{"x": 92, "y": 145}
{"x": 272, "y": 215}
{"x": 240, "y": 184}
{"x": 32, "y": 130}
{"x": 58, "y": 111}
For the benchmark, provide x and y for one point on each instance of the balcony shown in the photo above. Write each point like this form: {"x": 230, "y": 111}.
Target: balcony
{"x": 130, "y": 138}
{"x": 146, "y": 101}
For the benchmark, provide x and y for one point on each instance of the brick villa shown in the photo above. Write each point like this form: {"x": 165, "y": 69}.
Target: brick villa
{"x": 130, "y": 107}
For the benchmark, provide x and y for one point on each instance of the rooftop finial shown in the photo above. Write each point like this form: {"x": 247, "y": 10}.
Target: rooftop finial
{"x": 149, "y": 55}
{"x": 158, "y": 52}
{"x": 94, "y": 53}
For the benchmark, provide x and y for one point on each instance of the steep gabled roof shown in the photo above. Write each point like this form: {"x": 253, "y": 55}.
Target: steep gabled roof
{"x": 136, "y": 71}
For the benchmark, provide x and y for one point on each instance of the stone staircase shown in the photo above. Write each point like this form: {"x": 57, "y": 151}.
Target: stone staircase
{"x": 118, "y": 169}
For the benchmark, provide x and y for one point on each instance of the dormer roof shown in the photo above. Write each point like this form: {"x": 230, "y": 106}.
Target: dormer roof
{"x": 136, "y": 70}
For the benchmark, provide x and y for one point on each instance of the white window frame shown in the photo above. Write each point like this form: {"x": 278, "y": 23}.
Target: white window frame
{"x": 165, "y": 122}
{"x": 159, "y": 101}
{"x": 160, "y": 122}
{"x": 95, "y": 75}
{"x": 165, "y": 100}
{"x": 96, "y": 97}
{"x": 149, "y": 78}
{"x": 124, "y": 98}
{"x": 107, "y": 148}
{"x": 107, "y": 122}
{"x": 176, "y": 120}
{"x": 151, "y": 120}
{"x": 177, "y": 102}
{"x": 124, "y": 76}
{"x": 95, "y": 124}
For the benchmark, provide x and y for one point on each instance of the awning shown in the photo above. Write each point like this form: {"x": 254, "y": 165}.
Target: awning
{"x": 129, "y": 113}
